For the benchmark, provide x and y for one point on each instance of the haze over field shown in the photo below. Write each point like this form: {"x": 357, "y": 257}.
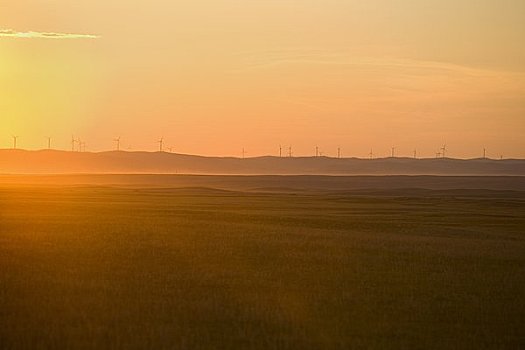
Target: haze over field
{"x": 213, "y": 76}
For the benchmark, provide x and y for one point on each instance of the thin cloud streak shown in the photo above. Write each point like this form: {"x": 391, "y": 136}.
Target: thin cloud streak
{"x": 9, "y": 33}
{"x": 267, "y": 59}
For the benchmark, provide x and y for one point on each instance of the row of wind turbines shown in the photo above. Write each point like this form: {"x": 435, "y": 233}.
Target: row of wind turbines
{"x": 77, "y": 145}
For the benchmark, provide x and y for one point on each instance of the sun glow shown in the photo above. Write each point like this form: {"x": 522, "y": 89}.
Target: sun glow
{"x": 215, "y": 76}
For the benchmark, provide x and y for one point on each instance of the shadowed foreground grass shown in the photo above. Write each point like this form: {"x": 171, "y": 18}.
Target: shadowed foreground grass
{"x": 202, "y": 269}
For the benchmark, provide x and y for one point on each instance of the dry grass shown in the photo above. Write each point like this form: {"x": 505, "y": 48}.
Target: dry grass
{"x": 111, "y": 268}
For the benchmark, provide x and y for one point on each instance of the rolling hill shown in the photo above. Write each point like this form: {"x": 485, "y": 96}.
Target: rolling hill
{"x": 120, "y": 162}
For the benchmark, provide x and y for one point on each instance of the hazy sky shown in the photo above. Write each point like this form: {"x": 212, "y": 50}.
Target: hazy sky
{"x": 212, "y": 76}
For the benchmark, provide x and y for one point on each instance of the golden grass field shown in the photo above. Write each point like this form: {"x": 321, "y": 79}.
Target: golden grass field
{"x": 93, "y": 267}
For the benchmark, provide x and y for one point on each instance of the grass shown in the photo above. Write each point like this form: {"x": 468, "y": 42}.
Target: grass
{"x": 101, "y": 267}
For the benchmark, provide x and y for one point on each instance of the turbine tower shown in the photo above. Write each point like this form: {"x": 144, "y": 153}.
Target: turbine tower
{"x": 371, "y": 154}
{"x": 243, "y": 153}
{"x": 280, "y": 151}
{"x": 316, "y": 151}
{"x": 49, "y": 142}
{"x": 338, "y": 152}
{"x": 415, "y": 153}
{"x": 484, "y": 153}
{"x": 443, "y": 150}
{"x": 15, "y": 138}
{"x": 117, "y": 140}
{"x": 290, "y": 151}
{"x": 73, "y": 143}
{"x": 160, "y": 143}
{"x": 393, "y": 152}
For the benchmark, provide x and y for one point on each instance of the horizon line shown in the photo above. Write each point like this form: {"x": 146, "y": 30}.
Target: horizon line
{"x": 255, "y": 157}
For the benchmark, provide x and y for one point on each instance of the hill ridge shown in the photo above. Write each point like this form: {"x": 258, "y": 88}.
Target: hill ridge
{"x": 141, "y": 162}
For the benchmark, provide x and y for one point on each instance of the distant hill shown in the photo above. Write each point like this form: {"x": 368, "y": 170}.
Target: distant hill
{"x": 120, "y": 162}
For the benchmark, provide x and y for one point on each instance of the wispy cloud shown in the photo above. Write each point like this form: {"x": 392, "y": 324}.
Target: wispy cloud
{"x": 44, "y": 35}
{"x": 299, "y": 56}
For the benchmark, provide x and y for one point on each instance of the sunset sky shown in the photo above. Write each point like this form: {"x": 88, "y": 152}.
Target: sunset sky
{"x": 213, "y": 76}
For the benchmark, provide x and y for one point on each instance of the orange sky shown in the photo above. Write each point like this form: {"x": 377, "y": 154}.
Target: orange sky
{"x": 212, "y": 76}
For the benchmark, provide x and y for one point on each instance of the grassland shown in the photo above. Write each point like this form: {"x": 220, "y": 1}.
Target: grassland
{"x": 97, "y": 267}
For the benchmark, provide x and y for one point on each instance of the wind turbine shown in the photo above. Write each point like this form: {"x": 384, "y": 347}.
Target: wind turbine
{"x": 393, "y": 151}
{"x": 415, "y": 153}
{"x": 160, "y": 143}
{"x": 371, "y": 154}
{"x": 338, "y": 152}
{"x": 79, "y": 142}
{"x": 117, "y": 140}
{"x": 290, "y": 151}
{"x": 280, "y": 151}
{"x": 443, "y": 150}
{"x": 73, "y": 143}
{"x": 484, "y": 153}
{"x": 15, "y": 138}
{"x": 243, "y": 153}
{"x": 49, "y": 142}
{"x": 316, "y": 151}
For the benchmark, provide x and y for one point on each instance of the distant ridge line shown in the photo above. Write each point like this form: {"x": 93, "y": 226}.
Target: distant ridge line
{"x": 18, "y": 161}
{"x": 45, "y": 150}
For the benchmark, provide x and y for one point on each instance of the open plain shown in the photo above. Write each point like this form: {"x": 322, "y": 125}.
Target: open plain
{"x": 124, "y": 264}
